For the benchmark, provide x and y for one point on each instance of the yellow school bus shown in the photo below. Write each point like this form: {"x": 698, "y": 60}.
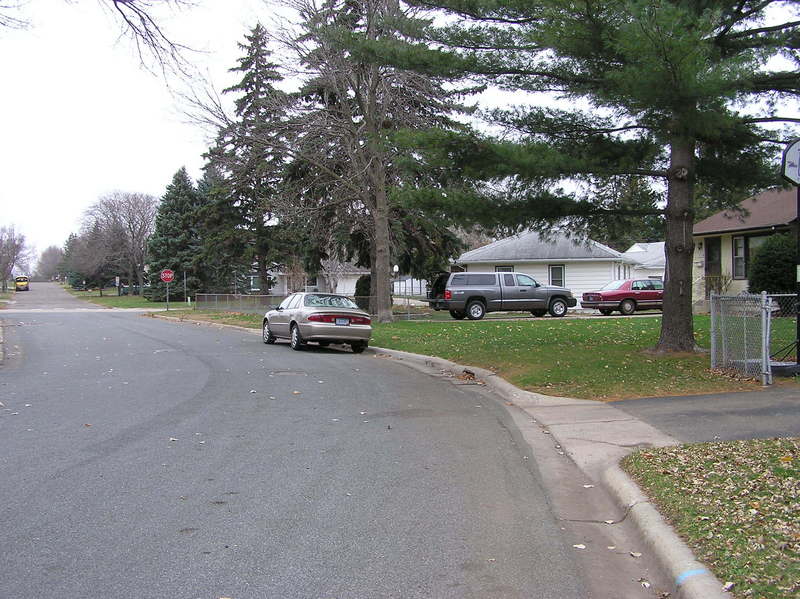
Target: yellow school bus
{"x": 21, "y": 284}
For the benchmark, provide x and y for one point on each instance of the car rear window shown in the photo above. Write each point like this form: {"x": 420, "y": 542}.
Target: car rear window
{"x": 613, "y": 285}
{"x": 329, "y": 301}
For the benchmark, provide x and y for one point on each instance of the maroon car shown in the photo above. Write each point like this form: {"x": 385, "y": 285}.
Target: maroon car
{"x": 627, "y": 296}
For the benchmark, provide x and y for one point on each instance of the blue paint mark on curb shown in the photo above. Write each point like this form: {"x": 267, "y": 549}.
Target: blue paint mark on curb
{"x": 688, "y": 574}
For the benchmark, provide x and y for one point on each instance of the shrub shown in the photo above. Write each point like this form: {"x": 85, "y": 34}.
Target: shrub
{"x": 362, "y": 291}
{"x": 773, "y": 266}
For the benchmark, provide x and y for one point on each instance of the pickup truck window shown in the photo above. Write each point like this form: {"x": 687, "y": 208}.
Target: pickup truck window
{"x": 481, "y": 280}
{"x": 526, "y": 280}
{"x": 508, "y": 280}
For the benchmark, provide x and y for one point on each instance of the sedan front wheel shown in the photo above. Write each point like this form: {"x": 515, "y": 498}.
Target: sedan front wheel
{"x": 267, "y": 335}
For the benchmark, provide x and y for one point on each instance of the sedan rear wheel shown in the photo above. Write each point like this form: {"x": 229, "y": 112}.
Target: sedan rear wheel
{"x": 627, "y": 307}
{"x": 358, "y": 346}
{"x": 296, "y": 340}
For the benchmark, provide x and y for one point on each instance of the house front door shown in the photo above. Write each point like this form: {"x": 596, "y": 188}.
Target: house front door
{"x": 713, "y": 261}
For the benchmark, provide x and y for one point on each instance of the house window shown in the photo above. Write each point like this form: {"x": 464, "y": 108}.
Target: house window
{"x": 557, "y": 275}
{"x": 739, "y": 258}
{"x": 503, "y": 269}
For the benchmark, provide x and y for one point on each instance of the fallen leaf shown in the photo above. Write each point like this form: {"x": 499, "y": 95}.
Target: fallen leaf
{"x": 172, "y": 439}
{"x": 580, "y": 546}
{"x": 635, "y": 554}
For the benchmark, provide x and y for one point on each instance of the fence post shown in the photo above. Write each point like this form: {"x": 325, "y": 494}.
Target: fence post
{"x": 766, "y": 370}
{"x": 714, "y": 332}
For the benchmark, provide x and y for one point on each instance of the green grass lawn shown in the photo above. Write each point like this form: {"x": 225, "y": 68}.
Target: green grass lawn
{"x": 589, "y": 358}
{"x": 110, "y": 299}
{"x": 736, "y": 505}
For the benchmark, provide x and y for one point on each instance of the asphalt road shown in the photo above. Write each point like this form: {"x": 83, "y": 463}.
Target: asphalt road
{"x": 142, "y": 458}
{"x": 772, "y": 412}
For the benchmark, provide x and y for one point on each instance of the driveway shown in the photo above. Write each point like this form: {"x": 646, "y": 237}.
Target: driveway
{"x": 772, "y": 412}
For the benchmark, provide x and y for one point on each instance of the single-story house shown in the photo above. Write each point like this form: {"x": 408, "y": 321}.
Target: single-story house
{"x": 649, "y": 260}
{"x": 335, "y": 277}
{"x": 552, "y": 259}
{"x": 725, "y": 242}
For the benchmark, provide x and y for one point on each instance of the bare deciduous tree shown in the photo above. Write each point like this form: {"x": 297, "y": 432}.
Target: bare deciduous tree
{"x": 13, "y": 253}
{"x": 137, "y": 21}
{"x": 127, "y": 221}
{"x": 49, "y": 262}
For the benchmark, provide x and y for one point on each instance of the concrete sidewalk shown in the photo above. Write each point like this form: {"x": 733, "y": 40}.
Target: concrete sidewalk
{"x": 596, "y": 436}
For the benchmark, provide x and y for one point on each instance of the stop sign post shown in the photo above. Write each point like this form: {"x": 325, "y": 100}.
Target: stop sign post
{"x": 167, "y": 276}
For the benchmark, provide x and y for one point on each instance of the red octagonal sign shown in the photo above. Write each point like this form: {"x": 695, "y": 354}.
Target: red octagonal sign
{"x": 167, "y": 275}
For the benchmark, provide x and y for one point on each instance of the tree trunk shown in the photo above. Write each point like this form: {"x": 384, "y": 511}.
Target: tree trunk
{"x": 373, "y": 278}
{"x": 263, "y": 275}
{"x": 677, "y": 330}
{"x": 383, "y": 292}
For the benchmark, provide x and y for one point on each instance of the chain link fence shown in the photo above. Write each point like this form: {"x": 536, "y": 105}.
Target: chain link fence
{"x": 740, "y": 334}
{"x": 749, "y": 333}
{"x": 233, "y": 302}
{"x": 783, "y": 328}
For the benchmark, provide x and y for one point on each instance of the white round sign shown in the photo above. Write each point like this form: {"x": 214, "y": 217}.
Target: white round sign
{"x": 790, "y": 169}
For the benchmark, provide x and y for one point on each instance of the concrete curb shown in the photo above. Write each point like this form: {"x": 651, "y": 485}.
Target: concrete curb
{"x": 691, "y": 579}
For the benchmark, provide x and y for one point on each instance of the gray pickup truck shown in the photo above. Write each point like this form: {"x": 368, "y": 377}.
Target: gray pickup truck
{"x": 473, "y": 294}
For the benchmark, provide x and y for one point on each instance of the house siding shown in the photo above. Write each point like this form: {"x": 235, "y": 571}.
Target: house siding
{"x": 736, "y": 286}
{"x": 579, "y": 277}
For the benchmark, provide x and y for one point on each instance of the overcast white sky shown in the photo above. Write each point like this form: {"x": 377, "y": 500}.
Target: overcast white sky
{"x": 81, "y": 118}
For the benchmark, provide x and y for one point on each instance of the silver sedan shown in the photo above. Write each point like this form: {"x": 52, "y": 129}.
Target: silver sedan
{"x": 323, "y": 318}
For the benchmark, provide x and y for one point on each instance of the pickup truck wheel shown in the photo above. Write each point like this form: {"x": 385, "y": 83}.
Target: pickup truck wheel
{"x": 558, "y": 307}
{"x": 458, "y": 314}
{"x": 605, "y": 311}
{"x": 476, "y": 310}
{"x": 627, "y": 307}
{"x": 538, "y": 313}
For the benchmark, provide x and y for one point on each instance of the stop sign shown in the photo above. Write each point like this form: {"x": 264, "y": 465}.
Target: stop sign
{"x": 167, "y": 275}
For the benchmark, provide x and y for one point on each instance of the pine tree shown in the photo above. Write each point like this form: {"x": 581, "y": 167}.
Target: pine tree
{"x": 176, "y": 242}
{"x": 248, "y": 154}
{"x": 655, "y": 90}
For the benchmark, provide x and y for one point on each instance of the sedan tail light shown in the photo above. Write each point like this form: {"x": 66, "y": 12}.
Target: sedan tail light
{"x": 331, "y": 318}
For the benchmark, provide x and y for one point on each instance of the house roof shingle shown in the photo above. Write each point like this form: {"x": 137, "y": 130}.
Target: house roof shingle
{"x": 768, "y": 209}
{"x": 530, "y": 246}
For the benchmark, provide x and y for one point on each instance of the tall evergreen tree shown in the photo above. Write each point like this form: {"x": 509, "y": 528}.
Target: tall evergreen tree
{"x": 671, "y": 92}
{"x": 249, "y": 154}
{"x": 176, "y": 242}
{"x": 347, "y": 111}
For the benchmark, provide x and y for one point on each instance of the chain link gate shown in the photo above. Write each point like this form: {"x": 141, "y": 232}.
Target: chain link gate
{"x": 740, "y": 334}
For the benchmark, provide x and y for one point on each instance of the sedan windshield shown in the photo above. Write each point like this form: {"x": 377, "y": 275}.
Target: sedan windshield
{"x": 612, "y": 285}
{"x": 329, "y": 301}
